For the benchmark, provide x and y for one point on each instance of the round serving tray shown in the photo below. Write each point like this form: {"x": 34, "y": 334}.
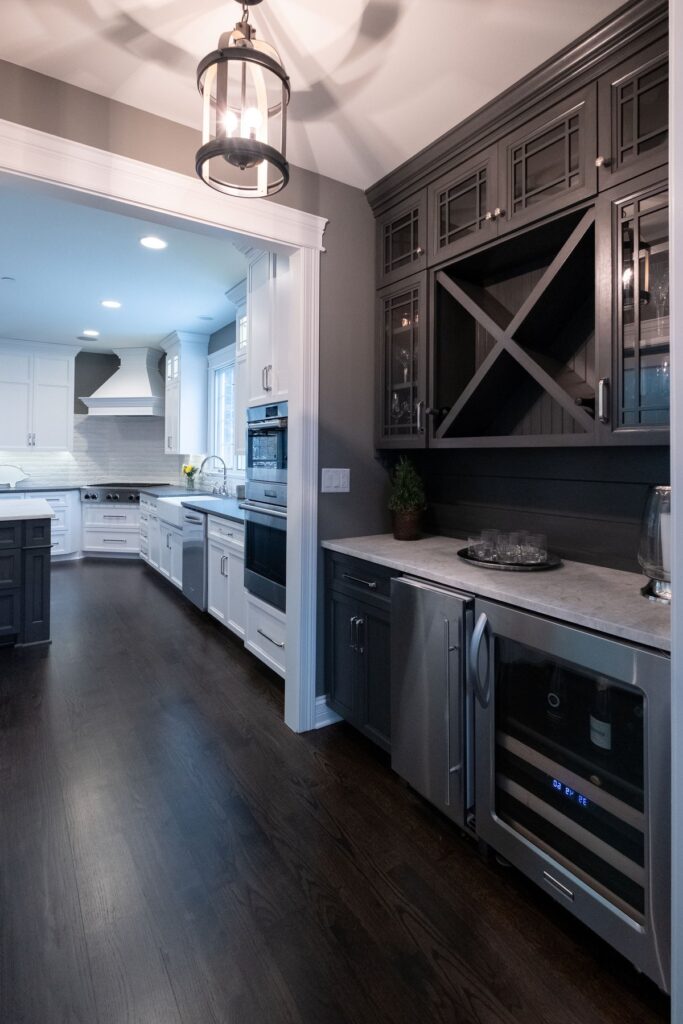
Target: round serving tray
{"x": 551, "y": 562}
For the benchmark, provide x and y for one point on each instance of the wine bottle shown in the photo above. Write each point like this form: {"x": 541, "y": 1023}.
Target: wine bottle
{"x": 601, "y": 716}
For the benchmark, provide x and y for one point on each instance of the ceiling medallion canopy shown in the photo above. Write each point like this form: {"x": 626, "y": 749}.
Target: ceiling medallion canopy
{"x": 245, "y": 94}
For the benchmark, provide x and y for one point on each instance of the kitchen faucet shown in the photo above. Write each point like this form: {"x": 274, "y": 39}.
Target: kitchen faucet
{"x": 208, "y": 458}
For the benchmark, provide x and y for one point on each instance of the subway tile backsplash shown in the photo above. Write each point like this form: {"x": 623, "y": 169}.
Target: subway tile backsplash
{"x": 116, "y": 448}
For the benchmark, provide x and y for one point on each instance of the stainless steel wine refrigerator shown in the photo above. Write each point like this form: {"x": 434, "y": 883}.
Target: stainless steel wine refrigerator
{"x": 572, "y": 772}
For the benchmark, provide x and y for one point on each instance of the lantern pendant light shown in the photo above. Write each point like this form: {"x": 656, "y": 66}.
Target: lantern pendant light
{"x": 245, "y": 94}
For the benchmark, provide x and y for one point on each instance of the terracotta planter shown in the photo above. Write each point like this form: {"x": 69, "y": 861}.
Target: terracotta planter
{"x": 406, "y": 525}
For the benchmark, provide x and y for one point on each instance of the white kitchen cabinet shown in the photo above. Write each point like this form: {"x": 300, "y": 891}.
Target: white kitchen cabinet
{"x": 268, "y": 287}
{"x": 225, "y": 573}
{"x": 266, "y": 635}
{"x": 36, "y": 396}
{"x": 171, "y": 554}
{"x": 66, "y": 526}
{"x": 186, "y": 393}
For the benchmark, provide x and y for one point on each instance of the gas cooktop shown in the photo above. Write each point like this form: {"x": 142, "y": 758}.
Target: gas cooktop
{"x": 115, "y": 491}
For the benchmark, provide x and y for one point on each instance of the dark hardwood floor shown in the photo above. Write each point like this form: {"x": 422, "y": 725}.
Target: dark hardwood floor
{"x": 171, "y": 852}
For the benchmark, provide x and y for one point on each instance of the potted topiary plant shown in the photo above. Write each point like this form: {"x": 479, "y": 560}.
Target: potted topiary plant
{"x": 407, "y": 500}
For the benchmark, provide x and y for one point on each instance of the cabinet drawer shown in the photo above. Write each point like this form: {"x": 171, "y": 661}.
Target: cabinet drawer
{"x": 37, "y": 533}
{"x": 111, "y": 540}
{"x": 58, "y": 499}
{"x": 10, "y": 535}
{"x": 147, "y": 504}
{"x": 59, "y": 545}
{"x": 10, "y": 569}
{"x": 223, "y": 529}
{"x": 266, "y": 634}
{"x": 360, "y": 578}
{"x": 117, "y": 517}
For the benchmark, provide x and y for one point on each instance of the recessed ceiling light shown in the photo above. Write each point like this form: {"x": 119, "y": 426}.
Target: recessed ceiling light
{"x": 8, "y": 280}
{"x": 152, "y": 242}
{"x": 205, "y": 317}
{"x": 110, "y": 304}
{"x": 90, "y": 333}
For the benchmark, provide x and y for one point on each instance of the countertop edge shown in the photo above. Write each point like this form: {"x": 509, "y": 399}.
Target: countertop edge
{"x": 573, "y": 616}
{"x": 196, "y": 507}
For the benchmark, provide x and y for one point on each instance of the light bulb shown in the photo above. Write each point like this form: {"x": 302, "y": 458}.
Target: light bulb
{"x": 252, "y": 119}
{"x": 230, "y": 122}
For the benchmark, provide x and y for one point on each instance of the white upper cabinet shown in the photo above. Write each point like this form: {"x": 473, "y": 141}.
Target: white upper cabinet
{"x": 268, "y": 324}
{"x": 36, "y": 396}
{"x": 186, "y": 392}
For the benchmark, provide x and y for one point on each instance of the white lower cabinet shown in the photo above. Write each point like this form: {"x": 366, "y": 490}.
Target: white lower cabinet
{"x": 111, "y": 528}
{"x": 171, "y": 553}
{"x": 66, "y": 525}
{"x": 225, "y": 573}
{"x": 266, "y": 634}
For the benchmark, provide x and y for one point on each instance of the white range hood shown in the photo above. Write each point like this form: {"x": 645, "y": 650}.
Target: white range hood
{"x": 136, "y": 389}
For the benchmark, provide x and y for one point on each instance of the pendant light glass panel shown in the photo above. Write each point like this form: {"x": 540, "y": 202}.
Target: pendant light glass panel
{"x": 245, "y": 94}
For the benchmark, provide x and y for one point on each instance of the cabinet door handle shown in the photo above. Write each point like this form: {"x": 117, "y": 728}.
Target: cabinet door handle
{"x": 419, "y": 251}
{"x": 107, "y": 540}
{"x": 481, "y": 688}
{"x": 603, "y": 399}
{"x": 453, "y": 766}
{"x": 266, "y": 637}
{"x": 352, "y": 632}
{"x": 263, "y": 379}
{"x": 498, "y": 213}
{"x": 168, "y": 441}
{"x": 360, "y": 637}
{"x": 419, "y": 416}
{"x": 603, "y": 161}
{"x": 489, "y": 216}
{"x": 105, "y": 516}
{"x": 269, "y": 386}
{"x": 370, "y": 584}
{"x": 28, "y": 440}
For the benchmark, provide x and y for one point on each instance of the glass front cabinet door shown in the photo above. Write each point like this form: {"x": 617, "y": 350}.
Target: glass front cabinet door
{"x": 634, "y": 116}
{"x": 637, "y": 406}
{"x": 549, "y": 162}
{"x": 463, "y": 207}
{"x": 402, "y": 240}
{"x": 401, "y": 364}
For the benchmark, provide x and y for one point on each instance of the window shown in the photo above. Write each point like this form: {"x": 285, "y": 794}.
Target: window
{"x": 224, "y": 413}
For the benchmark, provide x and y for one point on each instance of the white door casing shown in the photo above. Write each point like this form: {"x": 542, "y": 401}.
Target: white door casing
{"x": 103, "y": 178}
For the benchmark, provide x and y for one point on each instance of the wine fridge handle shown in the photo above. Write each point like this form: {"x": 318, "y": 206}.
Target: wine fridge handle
{"x": 481, "y": 688}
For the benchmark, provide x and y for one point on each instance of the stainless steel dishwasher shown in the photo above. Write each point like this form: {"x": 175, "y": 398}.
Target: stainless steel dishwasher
{"x": 431, "y": 708}
{"x": 194, "y": 558}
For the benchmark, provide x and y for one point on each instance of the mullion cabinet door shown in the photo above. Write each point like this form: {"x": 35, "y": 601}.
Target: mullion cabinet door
{"x": 402, "y": 364}
{"x": 548, "y": 163}
{"x": 633, "y": 307}
{"x": 402, "y": 240}
{"x": 462, "y": 207}
{"x": 633, "y": 105}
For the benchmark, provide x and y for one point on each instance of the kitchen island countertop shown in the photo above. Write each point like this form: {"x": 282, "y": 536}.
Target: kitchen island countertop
{"x": 606, "y": 600}
{"x": 25, "y": 508}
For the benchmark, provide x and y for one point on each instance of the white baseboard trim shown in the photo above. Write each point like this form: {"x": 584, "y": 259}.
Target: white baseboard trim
{"x": 324, "y": 715}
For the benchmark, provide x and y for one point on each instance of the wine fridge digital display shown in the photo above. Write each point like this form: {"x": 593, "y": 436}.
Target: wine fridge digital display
{"x": 572, "y": 772}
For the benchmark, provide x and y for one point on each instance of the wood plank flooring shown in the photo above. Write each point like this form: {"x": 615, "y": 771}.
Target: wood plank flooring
{"x": 170, "y": 852}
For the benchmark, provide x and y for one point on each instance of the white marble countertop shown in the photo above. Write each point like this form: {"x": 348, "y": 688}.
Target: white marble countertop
{"x": 606, "y": 600}
{"x": 25, "y": 508}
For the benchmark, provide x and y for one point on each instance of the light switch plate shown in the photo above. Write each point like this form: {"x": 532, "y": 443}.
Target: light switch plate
{"x": 336, "y": 481}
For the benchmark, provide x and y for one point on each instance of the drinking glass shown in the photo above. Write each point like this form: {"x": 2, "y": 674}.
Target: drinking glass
{"x": 538, "y": 543}
{"x": 488, "y": 545}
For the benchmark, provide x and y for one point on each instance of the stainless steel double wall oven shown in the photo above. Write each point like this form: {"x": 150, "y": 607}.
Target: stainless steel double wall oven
{"x": 265, "y": 507}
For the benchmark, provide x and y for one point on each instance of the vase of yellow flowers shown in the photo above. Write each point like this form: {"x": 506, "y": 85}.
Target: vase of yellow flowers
{"x": 189, "y": 472}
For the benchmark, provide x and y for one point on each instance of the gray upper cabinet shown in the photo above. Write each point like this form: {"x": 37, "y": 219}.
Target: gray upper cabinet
{"x": 633, "y": 103}
{"x": 462, "y": 205}
{"x": 402, "y": 364}
{"x": 402, "y": 240}
{"x": 633, "y": 290}
{"x": 549, "y": 163}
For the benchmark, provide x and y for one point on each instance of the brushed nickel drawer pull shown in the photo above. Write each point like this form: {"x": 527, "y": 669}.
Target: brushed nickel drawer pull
{"x": 266, "y": 637}
{"x": 370, "y": 584}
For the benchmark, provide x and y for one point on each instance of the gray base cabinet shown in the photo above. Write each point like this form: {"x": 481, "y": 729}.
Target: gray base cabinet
{"x": 358, "y": 645}
{"x": 25, "y": 552}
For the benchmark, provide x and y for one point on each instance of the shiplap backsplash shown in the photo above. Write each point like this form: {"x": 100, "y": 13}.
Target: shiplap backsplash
{"x": 106, "y": 448}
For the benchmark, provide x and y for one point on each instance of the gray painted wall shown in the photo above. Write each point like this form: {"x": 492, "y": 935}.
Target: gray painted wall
{"x": 91, "y": 369}
{"x": 223, "y": 338}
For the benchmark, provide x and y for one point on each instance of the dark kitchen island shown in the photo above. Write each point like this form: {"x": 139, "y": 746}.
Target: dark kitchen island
{"x": 25, "y": 544}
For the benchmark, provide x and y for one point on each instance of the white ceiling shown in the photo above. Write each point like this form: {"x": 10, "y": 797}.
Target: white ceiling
{"x": 66, "y": 258}
{"x": 374, "y": 81}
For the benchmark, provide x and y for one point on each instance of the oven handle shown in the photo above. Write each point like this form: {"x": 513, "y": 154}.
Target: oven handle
{"x": 481, "y": 688}
{"x": 274, "y": 424}
{"x": 263, "y": 510}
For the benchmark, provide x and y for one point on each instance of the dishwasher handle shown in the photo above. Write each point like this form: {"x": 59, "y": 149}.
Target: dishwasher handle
{"x": 482, "y": 688}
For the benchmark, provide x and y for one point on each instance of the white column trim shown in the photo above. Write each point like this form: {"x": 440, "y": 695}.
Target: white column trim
{"x": 113, "y": 179}
{"x": 52, "y": 159}
{"x": 302, "y": 492}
